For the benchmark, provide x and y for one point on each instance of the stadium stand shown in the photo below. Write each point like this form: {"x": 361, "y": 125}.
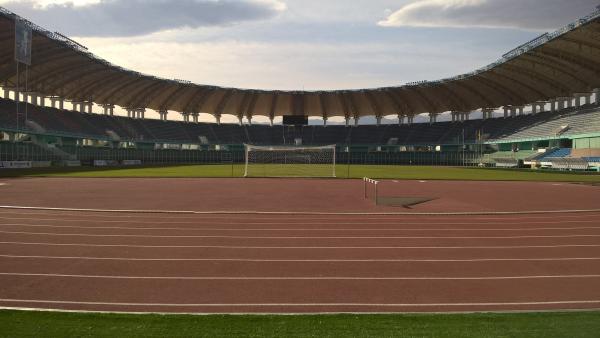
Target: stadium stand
{"x": 526, "y": 127}
{"x": 563, "y": 125}
{"x": 68, "y": 135}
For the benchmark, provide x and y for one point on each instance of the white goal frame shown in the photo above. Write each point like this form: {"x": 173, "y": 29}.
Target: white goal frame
{"x": 301, "y": 158}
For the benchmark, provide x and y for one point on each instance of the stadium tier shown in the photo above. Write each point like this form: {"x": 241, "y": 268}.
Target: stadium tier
{"x": 567, "y": 123}
{"x": 56, "y": 134}
{"x": 555, "y": 75}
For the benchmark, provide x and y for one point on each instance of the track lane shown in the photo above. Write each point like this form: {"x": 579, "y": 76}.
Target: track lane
{"x": 300, "y": 269}
{"x": 372, "y": 293}
{"x": 528, "y": 265}
{"x": 408, "y": 252}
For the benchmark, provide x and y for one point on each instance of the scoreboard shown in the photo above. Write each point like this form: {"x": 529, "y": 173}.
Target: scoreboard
{"x": 295, "y": 120}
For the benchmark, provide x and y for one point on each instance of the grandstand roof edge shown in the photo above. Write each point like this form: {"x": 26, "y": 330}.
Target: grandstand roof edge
{"x": 522, "y": 49}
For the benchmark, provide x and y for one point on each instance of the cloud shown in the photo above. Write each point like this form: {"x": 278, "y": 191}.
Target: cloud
{"x": 520, "y": 14}
{"x": 117, "y": 18}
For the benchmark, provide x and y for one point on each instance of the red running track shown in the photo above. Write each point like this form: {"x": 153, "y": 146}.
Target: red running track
{"x": 298, "y": 264}
{"x": 309, "y": 263}
{"x": 293, "y": 195}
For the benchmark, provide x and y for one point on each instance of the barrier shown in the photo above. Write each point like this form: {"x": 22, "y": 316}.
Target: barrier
{"x": 15, "y": 164}
{"x": 41, "y": 164}
{"x": 100, "y": 163}
{"x": 71, "y": 163}
{"x": 570, "y": 164}
{"x": 369, "y": 182}
{"x": 131, "y": 162}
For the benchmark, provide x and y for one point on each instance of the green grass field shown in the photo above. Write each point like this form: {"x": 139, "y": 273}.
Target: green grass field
{"x": 547, "y": 325}
{"x": 526, "y": 325}
{"x": 343, "y": 171}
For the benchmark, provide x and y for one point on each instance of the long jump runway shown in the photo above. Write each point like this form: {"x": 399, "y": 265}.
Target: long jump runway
{"x": 185, "y": 263}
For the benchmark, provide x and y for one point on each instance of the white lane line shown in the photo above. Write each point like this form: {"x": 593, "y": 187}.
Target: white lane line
{"x": 301, "y": 213}
{"x": 369, "y": 305}
{"x": 277, "y": 222}
{"x": 315, "y": 278}
{"x": 91, "y": 245}
{"x": 290, "y": 237}
{"x": 290, "y": 229}
{"x": 200, "y": 218}
{"x": 559, "y": 259}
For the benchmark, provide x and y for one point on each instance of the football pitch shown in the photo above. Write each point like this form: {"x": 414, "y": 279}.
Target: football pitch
{"x": 524, "y": 325}
{"x": 342, "y": 171}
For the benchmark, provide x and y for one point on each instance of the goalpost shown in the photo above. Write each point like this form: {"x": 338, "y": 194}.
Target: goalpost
{"x": 285, "y": 161}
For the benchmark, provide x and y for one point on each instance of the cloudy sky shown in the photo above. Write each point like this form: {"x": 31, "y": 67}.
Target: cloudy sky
{"x": 302, "y": 44}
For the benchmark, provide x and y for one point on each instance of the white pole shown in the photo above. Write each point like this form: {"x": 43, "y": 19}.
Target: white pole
{"x": 334, "y": 161}
{"x": 246, "y": 169}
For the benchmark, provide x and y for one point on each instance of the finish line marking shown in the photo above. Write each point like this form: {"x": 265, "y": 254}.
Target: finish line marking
{"x": 304, "y": 260}
{"x": 212, "y": 278}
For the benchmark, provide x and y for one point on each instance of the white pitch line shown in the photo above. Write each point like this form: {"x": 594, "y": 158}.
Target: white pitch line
{"x": 560, "y": 259}
{"x": 315, "y": 278}
{"x": 291, "y": 237}
{"x": 384, "y": 305}
{"x": 228, "y": 247}
{"x": 278, "y": 222}
{"x": 289, "y": 229}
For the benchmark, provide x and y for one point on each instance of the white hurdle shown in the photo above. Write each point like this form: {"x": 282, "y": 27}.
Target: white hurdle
{"x": 367, "y": 181}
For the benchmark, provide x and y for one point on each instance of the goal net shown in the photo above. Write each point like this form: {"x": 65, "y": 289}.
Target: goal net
{"x": 285, "y": 161}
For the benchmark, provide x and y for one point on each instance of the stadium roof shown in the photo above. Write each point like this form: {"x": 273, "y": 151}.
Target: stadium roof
{"x": 559, "y": 64}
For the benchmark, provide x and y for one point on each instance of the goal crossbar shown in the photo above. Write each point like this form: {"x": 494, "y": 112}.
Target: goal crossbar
{"x": 288, "y": 161}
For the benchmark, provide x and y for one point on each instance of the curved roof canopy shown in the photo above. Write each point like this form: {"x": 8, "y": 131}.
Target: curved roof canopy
{"x": 559, "y": 64}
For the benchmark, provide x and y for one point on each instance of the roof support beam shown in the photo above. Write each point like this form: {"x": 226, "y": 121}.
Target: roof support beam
{"x": 539, "y": 60}
{"x": 511, "y": 96}
{"x": 173, "y": 97}
{"x": 512, "y": 76}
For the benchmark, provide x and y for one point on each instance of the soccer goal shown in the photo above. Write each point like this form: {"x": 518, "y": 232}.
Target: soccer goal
{"x": 284, "y": 161}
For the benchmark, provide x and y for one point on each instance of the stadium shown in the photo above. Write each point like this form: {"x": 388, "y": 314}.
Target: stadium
{"x": 477, "y": 194}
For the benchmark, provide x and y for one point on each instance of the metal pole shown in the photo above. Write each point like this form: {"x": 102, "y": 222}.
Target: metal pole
{"x": 17, "y": 98}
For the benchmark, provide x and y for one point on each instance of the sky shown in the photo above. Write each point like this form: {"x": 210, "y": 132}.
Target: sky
{"x": 302, "y": 44}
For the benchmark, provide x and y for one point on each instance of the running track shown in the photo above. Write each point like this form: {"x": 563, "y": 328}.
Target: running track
{"x": 298, "y": 264}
